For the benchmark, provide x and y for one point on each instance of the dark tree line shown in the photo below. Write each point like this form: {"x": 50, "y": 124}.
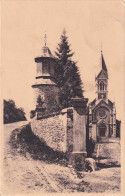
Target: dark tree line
{"x": 67, "y": 73}
{"x": 12, "y": 113}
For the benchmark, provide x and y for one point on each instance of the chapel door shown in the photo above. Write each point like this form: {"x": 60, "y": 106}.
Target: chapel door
{"x": 102, "y": 130}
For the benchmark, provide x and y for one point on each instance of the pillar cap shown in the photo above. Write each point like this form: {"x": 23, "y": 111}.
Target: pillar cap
{"x": 79, "y": 102}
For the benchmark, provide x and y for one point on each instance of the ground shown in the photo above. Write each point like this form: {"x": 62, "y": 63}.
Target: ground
{"x": 22, "y": 174}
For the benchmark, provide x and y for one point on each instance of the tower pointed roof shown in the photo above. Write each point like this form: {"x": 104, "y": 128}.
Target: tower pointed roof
{"x": 103, "y": 63}
{"x": 45, "y": 50}
{"x": 104, "y": 72}
{"x": 46, "y": 53}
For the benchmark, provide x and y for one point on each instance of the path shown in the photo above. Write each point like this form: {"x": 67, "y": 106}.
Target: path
{"x": 23, "y": 175}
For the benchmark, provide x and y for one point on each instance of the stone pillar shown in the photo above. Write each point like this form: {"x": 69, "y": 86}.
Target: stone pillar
{"x": 90, "y": 130}
{"x": 114, "y": 121}
{"x": 90, "y": 121}
{"x": 79, "y": 131}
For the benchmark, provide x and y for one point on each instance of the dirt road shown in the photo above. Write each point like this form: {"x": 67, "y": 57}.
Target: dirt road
{"x": 23, "y": 175}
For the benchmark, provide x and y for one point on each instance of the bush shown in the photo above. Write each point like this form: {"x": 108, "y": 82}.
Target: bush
{"x": 12, "y": 113}
{"x": 32, "y": 113}
{"x": 90, "y": 146}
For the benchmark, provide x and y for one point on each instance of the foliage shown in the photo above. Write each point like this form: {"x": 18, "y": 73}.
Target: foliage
{"x": 67, "y": 73}
{"x": 32, "y": 113}
{"x": 90, "y": 146}
{"x": 39, "y": 101}
{"x": 12, "y": 113}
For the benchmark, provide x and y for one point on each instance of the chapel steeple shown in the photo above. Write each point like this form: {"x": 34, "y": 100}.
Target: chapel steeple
{"x": 102, "y": 81}
{"x": 102, "y": 111}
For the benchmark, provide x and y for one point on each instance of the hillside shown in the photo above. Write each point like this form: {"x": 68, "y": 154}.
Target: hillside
{"x": 24, "y": 172}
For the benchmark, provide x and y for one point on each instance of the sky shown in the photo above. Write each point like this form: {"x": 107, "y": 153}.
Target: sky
{"x": 89, "y": 24}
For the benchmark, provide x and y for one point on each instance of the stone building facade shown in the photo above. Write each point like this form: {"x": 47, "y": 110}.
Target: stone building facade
{"x": 102, "y": 111}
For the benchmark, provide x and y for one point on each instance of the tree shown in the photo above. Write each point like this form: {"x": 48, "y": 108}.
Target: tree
{"x": 12, "y": 113}
{"x": 67, "y": 73}
{"x": 40, "y": 101}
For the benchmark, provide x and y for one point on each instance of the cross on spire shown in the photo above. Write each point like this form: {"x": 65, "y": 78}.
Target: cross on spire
{"x": 45, "y": 39}
{"x": 101, "y": 47}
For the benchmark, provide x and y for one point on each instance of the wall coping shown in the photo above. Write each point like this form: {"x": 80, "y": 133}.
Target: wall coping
{"x": 63, "y": 111}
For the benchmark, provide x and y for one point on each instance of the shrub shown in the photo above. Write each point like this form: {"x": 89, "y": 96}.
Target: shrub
{"x": 90, "y": 146}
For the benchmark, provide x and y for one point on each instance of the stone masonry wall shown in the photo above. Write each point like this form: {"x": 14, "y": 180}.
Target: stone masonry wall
{"x": 50, "y": 95}
{"x": 64, "y": 131}
{"x": 52, "y": 130}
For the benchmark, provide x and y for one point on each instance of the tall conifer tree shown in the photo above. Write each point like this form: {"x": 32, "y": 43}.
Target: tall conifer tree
{"x": 67, "y": 73}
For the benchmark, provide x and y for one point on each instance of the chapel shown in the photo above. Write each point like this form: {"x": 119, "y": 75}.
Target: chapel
{"x": 102, "y": 111}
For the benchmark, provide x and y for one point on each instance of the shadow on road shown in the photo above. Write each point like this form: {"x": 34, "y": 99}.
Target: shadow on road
{"x": 23, "y": 141}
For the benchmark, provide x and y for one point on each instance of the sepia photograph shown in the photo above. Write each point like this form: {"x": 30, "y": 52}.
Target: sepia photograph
{"x": 62, "y": 97}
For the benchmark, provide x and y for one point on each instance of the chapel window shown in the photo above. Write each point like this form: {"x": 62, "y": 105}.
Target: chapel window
{"x": 101, "y": 86}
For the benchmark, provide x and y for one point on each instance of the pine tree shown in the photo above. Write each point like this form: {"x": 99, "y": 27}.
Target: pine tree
{"x": 67, "y": 73}
{"x": 39, "y": 101}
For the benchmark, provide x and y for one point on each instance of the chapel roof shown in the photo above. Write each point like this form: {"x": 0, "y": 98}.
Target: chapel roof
{"x": 110, "y": 103}
{"x": 94, "y": 104}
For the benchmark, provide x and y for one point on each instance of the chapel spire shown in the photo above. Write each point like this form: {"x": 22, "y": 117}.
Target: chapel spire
{"x": 103, "y": 62}
{"x": 102, "y": 81}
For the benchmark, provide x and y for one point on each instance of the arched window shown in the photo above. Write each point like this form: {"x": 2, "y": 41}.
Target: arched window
{"x": 101, "y": 86}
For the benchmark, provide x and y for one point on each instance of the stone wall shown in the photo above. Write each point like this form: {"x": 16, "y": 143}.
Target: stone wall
{"x": 64, "y": 131}
{"x": 53, "y": 130}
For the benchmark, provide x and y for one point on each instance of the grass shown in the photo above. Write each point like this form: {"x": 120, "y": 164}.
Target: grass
{"x": 23, "y": 140}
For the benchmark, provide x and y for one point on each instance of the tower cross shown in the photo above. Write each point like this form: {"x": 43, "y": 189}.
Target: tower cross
{"x": 45, "y": 39}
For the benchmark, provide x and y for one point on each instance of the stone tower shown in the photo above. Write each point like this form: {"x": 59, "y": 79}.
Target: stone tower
{"x": 45, "y": 88}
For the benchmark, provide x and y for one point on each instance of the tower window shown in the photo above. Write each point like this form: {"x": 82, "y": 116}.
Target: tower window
{"x": 39, "y": 68}
{"x": 101, "y": 86}
{"x": 46, "y": 68}
{"x": 102, "y": 96}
